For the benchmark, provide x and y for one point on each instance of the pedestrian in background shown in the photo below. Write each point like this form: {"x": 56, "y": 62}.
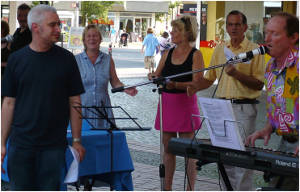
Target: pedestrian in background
{"x": 41, "y": 85}
{"x": 5, "y": 44}
{"x": 151, "y": 44}
{"x": 97, "y": 69}
{"x": 113, "y": 36}
{"x": 177, "y": 106}
{"x": 164, "y": 43}
{"x": 282, "y": 85}
{"x": 241, "y": 84}
{"x": 22, "y": 35}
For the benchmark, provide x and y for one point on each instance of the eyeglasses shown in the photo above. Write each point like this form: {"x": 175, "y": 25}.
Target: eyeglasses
{"x": 234, "y": 24}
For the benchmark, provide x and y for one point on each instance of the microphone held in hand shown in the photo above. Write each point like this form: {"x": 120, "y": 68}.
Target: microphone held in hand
{"x": 7, "y": 39}
{"x": 250, "y": 54}
{"x": 118, "y": 89}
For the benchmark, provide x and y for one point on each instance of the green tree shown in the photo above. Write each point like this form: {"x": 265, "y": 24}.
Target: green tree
{"x": 172, "y": 6}
{"x": 95, "y": 9}
{"x": 35, "y": 3}
{"x": 159, "y": 16}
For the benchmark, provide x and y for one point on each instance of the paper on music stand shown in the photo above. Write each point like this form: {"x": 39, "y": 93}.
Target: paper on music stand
{"x": 221, "y": 123}
{"x": 72, "y": 174}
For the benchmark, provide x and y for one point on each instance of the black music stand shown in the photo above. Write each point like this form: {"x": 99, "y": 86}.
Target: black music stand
{"x": 221, "y": 167}
{"x": 101, "y": 113}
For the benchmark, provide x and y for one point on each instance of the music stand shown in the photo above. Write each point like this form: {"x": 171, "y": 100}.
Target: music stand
{"x": 221, "y": 167}
{"x": 101, "y": 113}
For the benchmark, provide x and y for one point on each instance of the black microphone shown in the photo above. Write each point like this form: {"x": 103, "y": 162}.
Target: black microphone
{"x": 7, "y": 39}
{"x": 250, "y": 54}
{"x": 118, "y": 89}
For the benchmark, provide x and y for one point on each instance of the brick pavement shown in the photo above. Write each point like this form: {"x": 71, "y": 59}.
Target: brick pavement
{"x": 146, "y": 177}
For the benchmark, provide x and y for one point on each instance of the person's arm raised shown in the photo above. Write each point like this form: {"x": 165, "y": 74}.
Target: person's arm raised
{"x": 115, "y": 81}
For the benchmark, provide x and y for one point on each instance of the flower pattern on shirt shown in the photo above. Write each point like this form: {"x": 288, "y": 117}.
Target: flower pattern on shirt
{"x": 283, "y": 93}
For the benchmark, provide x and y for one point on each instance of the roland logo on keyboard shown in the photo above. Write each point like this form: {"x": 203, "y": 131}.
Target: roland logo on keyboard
{"x": 285, "y": 163}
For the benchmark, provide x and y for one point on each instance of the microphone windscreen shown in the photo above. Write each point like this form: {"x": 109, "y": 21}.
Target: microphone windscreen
{"x": 266, "y": 49}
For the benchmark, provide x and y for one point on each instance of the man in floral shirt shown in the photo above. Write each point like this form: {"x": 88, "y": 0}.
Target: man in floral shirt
{"x": 282, "y": 84}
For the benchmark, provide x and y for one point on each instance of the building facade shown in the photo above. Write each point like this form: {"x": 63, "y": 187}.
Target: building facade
{"x": 135, "y": 17}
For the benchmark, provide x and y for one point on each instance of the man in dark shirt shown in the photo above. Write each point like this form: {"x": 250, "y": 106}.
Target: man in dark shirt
{"x": 41, "y": 85}
{"x": 22, "y": 35}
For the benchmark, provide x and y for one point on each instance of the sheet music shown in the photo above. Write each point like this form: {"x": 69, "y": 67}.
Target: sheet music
{"x": 221, "y": 123}
{"x": 72, "y": 174}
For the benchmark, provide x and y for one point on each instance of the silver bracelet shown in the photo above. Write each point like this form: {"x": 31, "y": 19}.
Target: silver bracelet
{"x": 76, "y": 140}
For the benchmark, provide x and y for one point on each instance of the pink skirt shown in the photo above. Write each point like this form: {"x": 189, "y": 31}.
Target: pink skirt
{"x": 177, "y": 113}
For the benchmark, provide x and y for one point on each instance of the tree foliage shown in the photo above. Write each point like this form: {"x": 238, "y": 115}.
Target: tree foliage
{"x": 95, "y": 9}
{"x": 172, "y": 6}
{"x": 35, "y": 3}
{"x": 159, "y": 16}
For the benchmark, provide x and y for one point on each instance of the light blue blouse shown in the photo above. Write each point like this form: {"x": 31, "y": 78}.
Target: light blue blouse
{"x": 95, "y": 78}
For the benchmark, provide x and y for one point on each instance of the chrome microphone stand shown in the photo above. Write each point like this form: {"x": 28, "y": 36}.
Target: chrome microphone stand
{"x": 161, "y": 165}
{"x": 167, "y": 79}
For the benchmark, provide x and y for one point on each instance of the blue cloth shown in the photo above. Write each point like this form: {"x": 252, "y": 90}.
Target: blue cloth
{"x": 150, "y": 42}
{"x": 95, "y": 78}
{"x": 97, "y": 161}
{"x": 98, "y": 157}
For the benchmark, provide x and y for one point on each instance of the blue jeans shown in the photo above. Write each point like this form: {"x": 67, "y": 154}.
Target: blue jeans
{"x": 35, "y": 169}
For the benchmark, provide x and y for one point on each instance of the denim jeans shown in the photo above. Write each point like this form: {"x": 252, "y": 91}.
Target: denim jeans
{"x": 35, "y": 169}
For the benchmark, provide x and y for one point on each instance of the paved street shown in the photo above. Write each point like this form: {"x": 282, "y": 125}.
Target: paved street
{"x": 144, "y": 145}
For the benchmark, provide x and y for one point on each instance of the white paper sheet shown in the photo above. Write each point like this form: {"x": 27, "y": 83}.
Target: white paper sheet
{"x": 221, "y": 124}
{"x": 72, "y": 174}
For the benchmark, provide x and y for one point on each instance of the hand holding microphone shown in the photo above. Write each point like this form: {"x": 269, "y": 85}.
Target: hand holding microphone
{"x": 151, "y": 76}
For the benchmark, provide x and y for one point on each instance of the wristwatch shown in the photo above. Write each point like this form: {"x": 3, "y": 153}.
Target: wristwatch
{"x": 78, "y": 140}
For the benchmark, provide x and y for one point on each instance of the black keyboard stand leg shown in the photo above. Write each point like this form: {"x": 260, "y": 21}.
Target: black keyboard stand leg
{"x": 225, "y": 177}
{"x": 77, "y": 185}
{"x": 200, "y": 163}
{"x": 88, "y": 184}
{"x": 279, "y": 182}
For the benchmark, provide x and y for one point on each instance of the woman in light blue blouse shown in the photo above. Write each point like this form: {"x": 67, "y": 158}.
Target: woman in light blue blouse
{"x": 97, "y": 69}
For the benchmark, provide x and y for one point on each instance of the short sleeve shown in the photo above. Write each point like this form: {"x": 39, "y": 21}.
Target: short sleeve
{"x": 156, "y": 42}
{"x": 144, "y": 42}
{"x": 75, "y": 82}
{"x": 9, "y": 85}
{"x": 258, "y": 67}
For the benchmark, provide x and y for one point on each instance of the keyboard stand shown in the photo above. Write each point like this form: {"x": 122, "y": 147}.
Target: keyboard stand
{"x": 222, "y": 170}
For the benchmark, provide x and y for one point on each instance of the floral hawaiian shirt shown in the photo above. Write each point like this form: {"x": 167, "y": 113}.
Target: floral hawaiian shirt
{"x": 283, "y": 94}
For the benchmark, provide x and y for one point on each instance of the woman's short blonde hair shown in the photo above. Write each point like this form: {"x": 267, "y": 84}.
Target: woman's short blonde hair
{"x": 90, "y": 26}
{"x": 188, "y": 25}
